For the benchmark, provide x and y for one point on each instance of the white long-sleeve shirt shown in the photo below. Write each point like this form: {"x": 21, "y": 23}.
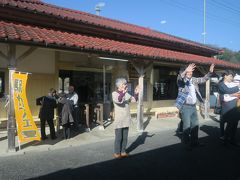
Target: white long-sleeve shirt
{"x": 192, "y": 97}
{"x": 73, "y": 97}
{"x": 228, "y": 97}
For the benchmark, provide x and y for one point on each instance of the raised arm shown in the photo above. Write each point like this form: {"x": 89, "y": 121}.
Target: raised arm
{"x": 190, "y": 68}
{"x": 136, "y": 93}
{"x": 202, "y": 80}
{"x": 223, "y": 89}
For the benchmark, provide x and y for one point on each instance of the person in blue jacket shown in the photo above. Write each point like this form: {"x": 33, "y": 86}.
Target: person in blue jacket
{"x": 229, "y": 112}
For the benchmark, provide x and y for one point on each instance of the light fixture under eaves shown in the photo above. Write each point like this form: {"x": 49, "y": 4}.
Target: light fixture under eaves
{"x": 113, "y": 59}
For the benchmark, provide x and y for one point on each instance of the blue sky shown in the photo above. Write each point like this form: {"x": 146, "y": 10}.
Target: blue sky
{"x": 182, "y": 18}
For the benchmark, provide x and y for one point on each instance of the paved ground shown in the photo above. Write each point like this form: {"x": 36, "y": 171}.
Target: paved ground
{"x": 95, "y": 135}
{"x": 156, "y": 154}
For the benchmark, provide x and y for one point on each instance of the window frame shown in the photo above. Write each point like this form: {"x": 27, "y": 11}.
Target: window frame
{"x": 2, "y": 90}
{"x": 169, "y": 74}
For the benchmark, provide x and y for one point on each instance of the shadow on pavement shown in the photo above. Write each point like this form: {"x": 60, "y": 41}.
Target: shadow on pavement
{"x": 139, "y": 141}
{"x": 3, "y": 138}
{"x": 212, "y": 131}
{"x": 74, "y": 132}
{"x": 145, "y": 124}
{"x": 214, "y": 118}
{"x": 214, "y": 161}
{"x": 50, "y": 141}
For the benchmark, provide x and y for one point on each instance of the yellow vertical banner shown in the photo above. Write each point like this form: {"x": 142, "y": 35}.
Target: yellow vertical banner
{"x": 26, "y": 127}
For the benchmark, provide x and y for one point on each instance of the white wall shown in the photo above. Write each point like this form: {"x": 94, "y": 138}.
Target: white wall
{"x": 39, "y": 61}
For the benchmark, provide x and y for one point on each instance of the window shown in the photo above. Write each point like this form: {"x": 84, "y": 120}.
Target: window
{"x": 165, "y": 83}
{"x": 213, "y": 88}
{"x": 66, "y": 84}
{"x": 214, "y": 84}
{"x": 2, "y": 84}
{"x": 88, "y": 85}
{"x": 63, "y": 84}
{"x": 60, "y": 85}
{"x": 132, "y": 85}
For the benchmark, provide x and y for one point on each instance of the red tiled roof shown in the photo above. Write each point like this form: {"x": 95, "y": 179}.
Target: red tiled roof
{"x": 68, "y": 14}
{"x": 47, "y": 37}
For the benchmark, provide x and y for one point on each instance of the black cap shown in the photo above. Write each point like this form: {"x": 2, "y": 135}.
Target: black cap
{"x": 227, "y": 72}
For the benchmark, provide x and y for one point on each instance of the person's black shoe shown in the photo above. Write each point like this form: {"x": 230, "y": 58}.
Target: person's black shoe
{"x": 187, "y": 147}
{"x": 198, "y": 144}
{"x": 55, "y": 137}
{"x": 226, "y": 143}
{"x": 179, "y": 132}
{"x": 44, "y": 138}
{"x": 221, "y": 138}
{"x": 234, "y": 143}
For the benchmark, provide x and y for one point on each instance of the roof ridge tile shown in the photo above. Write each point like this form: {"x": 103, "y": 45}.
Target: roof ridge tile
{"x": 102, "y": 21}
{"x": 30, "y": 34}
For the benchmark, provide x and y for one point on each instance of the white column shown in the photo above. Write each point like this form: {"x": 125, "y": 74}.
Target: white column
{"x": 207, "y": 101}
{"x": 140, "y": 102}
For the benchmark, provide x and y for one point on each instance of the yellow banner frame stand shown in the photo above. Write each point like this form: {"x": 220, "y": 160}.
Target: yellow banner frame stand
{"x": 26, "y": 127}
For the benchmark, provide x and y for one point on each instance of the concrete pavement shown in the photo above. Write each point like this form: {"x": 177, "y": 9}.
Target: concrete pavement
{"x": 158, "y": 155}
{"x": 151, "y": 124}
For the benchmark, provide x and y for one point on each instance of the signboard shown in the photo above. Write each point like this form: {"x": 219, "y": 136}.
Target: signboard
{"x": 26, "y": 127}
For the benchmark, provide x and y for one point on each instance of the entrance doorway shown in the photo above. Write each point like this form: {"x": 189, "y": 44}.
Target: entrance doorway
{"x": 88, "y": 85}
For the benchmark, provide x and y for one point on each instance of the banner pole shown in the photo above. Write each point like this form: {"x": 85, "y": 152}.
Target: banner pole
{"x": 19, "y": 143}
{"x": 11, "y": 114}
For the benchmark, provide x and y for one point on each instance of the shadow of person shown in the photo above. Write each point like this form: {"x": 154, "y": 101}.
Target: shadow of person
{"x": 214, "y": 118}
{"x": 145, "y": 124}
{"x": 3, "y": 138}
{"x": 212, "y": 131}
{"x": 178, "y": 135}
{"x": 140, "y": 140}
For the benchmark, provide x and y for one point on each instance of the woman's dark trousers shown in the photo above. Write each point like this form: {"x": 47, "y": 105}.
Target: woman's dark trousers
{"x": 121, "y": 137}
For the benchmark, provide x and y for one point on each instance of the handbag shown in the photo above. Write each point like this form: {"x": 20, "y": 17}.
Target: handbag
{"x": 181, "y": 98}
{"x": 217, "y": 107}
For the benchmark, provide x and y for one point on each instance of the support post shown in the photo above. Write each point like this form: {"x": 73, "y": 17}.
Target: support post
{"x": 87, "y": 117}
{"x": 100, "y": 115}
{"x": 141, "y": 69}
{"x": 207, "y": 101}
{"x": 11, "y": 125}
{"x": 140, "y": 104}
{"x": 104, "y": 83}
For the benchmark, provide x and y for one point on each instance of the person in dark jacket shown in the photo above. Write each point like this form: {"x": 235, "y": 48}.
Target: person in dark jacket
{"x": 48, "y": 103}
{"x": 229, "y": 112}
{"x": 66, "y": 116}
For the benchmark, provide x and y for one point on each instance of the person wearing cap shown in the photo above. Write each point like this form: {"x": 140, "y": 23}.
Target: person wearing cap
{"x": 188, "y": 94}
{"x": 46, "y": 113}
{"x": 229, "y": 95}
